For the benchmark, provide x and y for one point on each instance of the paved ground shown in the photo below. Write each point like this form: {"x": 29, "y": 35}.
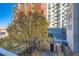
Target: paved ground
{"x": 43, "y": 53}
{"x": 68, "y": 52}
{"x": 48, "y": 53}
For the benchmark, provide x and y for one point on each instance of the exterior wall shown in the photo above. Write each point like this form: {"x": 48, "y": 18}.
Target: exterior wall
{"x": 63, "y": 12}
{"x": 73, "y": 27}
{"x": 56, "y": 13}
{"x": 70, "y": 28}
{"x": 76, "y": 26}
{"x": 41, "y": 7}
{"x": 44, "y": 8}
{"x": 49, "y": 15}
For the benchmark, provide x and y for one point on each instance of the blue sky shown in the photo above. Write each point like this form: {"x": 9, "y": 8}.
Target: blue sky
{"x": 5, "y": 14}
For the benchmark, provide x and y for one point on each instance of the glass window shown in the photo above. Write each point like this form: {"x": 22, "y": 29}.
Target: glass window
{"x": 49, "y": 8}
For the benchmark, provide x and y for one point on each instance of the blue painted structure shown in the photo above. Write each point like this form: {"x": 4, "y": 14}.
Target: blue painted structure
{"x": 57, "y": 33}
{"x": 4, "y": 52}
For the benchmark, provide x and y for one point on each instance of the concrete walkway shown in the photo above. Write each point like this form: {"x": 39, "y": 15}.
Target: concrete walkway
{"x": 68, "y": 52}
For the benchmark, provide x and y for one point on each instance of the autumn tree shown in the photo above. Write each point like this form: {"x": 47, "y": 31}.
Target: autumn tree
{"x": 30, "y": 28}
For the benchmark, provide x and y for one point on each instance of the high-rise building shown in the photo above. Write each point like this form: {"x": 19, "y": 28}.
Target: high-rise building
{"x": 41, "y": 7}
{"x": 54, "y": 15}
{"x": 63, "y": 17}
{"x": 57, "y": 14}
{"x": 54, "y": 12}
{"x": 73, "y": 27}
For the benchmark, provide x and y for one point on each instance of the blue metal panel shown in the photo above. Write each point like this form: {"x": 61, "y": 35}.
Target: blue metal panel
{"x": 56, "y": 32}
{"x": 4, "y": 52}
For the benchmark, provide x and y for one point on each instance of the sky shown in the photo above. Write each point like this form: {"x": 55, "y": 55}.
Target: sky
{"x": 5, "y": 14}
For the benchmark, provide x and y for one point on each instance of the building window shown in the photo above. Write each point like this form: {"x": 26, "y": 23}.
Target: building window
{"x": 49, "y": 15}
{"x": 53, "y": 10}
{"x": 49, "y": 8}
{"x": 52, "y": 6}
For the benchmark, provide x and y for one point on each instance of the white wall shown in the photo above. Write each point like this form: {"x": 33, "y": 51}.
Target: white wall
{"x": 70, "y": 29}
